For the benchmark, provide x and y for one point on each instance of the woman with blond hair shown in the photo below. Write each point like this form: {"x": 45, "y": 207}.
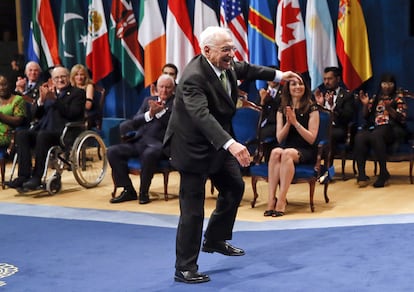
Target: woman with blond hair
{"x": 79, "y": 77}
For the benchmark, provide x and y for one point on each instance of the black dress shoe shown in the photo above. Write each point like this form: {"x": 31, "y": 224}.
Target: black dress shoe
{"x": 190, "y": 277}
{"x": 222, "y": 247}
{"x": 126, "y": 195}
{"x": 17, "y": 182}
{"x": 32, "y": 183}
{"x": 144, "y": 199}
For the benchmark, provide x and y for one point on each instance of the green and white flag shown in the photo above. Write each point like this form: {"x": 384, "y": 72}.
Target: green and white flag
{"x": 72, "y": 33}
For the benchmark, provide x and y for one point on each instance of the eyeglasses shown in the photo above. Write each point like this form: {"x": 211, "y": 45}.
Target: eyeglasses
{"x": 63, "y": 77}
{"x": 227, "y": 49}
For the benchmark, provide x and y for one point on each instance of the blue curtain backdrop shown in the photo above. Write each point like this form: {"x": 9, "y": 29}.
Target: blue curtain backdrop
{"x": 388, "y": 25}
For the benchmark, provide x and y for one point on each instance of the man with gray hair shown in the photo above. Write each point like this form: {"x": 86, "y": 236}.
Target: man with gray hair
{"x": 199, "y": 137}
{"x": 143, "y": 136}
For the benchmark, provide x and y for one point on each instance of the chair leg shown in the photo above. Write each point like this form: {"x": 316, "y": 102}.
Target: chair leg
{"x": 255, "y": 194}
{"x": 3, "y": 172}
{"x": 166, "y": 176}
{"x": 312, "y": 184}
{"x": 325, "y": 192}
{"x": 343, "y": 162}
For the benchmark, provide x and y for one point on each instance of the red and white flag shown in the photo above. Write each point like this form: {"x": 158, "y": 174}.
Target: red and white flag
{"x": 98, "y": 52}
{"x": 290, "y": 36}
{"x": 181, "y": 44}
{"x": 204, "y": 16}
{"x": 231, "y": 16}
{"x": 152, "y": 38}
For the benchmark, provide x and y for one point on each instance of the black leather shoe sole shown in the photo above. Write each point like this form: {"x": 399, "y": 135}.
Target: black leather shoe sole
{"x": 122, "y": 199}
{"x": 190, "y": 277}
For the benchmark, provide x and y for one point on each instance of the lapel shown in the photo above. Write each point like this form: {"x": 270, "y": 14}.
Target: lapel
{"x": 216, "y": 83}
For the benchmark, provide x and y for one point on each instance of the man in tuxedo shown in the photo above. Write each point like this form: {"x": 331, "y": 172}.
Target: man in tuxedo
{"x": 199, "y": 136}
{"x": 144, "y": 134}
{"x": 339, "y": 101}
{"x": 58, "y": 104}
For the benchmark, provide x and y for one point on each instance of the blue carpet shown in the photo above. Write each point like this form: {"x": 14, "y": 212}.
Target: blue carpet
{"x": 54, "y": 254}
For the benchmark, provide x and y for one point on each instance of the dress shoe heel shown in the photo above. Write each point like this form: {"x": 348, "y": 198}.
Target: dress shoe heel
{"x": 190, "y": 277}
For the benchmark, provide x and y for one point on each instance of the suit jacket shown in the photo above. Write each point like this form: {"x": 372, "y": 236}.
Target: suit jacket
{"x": 200, "y": 123}
{"x": 55, "y": 113}
{"x": 155, "y": 129}
{"x": 344, "y": 110}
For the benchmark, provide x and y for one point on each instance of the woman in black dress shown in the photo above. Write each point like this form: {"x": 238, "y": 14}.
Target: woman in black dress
{"x": 296, "y": 130}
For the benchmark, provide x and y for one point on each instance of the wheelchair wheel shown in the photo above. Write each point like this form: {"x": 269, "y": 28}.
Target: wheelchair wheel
{"x": 54, "y": 184}
{"x": 88, "y": 158}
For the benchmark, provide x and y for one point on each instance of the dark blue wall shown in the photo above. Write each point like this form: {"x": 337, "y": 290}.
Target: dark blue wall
{"x": 388, "y": 25}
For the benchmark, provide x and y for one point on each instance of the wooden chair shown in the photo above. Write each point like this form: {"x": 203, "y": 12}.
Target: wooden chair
{"x": 311, "y": 173}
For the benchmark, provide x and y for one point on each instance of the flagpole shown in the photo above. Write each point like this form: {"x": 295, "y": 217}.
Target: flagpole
{"x": 19, "y": 27}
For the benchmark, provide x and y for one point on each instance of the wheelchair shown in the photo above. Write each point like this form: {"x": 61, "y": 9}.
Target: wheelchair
{"x": 81, "y": 151}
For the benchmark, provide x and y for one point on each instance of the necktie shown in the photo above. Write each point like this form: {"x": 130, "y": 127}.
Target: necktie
{"x": 223, "y": 79}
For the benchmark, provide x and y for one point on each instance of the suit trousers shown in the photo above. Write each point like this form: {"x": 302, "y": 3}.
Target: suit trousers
{"x": 230, "y": 186}
{"x": 149, "y": 154}
{"x": 40, "y": 141}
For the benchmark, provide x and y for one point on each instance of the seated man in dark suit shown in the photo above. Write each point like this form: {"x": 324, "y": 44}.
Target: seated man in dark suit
{"x": 28, "y": 87}
{"x": 146, "y": 133}
{"x": 338, "y": 100}
{"x": 58, "y": 104}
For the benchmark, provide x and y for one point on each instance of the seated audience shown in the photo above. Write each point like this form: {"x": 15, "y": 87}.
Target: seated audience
{"x": 79, "y": 77}
{"x": 339, "y": 101}
{"x": 12, "y": 111}
{"x": 385, "y": 115}
{"x": 297, "y": 128}
{"x": 58, "y": 104}
{"x": 145, "y": 134}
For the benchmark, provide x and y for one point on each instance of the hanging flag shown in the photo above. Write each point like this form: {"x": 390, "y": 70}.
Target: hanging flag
{"x": 43, "y": 43}
{"x": 181, "y": 44}
{"x": 261, "y": 37}
{"x": 290, "y": 36}
{"x": 98, "y": 53}
{"x": 352, "y": 46}
{"x": 231, "y": 16}
{"x": 33, "y": 50}
{"x": 204, "y": 16}
{"x": 319, "y": 40}
{"x": 124, "y": 41}
{"x": 73, "y": 35}
{"x": 152, "y": 38}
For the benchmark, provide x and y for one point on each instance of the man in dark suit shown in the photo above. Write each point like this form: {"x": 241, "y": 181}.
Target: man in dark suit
{"x": 145, "y": 134}
{"x": 199, "y": 136}
{"x": 28, "y": 87}
{"x": 338, "y": 100}
{"x": 58, "y": 104}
